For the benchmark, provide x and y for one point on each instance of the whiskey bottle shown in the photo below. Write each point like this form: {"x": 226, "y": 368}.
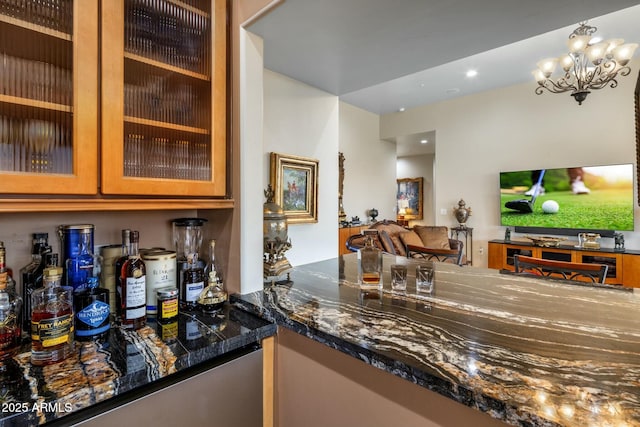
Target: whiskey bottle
{"x": 134, "y": 297}
{"x": 31, "y": 275}
{"x": 51, "y": 320}
{"x": 192, "y": 283}
{"x": 117, "y": 270}
{"x": 10, "y": 308}
{"x": 91, "y": 307}
{"x": 213, "y": 297}
{"x": 370, "y": 263}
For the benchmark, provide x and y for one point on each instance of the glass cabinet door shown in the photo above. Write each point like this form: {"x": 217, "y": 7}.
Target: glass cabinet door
{"x": 48, "y": 96}
{"x": 164, "y": 97}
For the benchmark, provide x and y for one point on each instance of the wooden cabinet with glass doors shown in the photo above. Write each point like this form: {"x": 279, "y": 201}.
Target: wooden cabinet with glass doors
{"x": 164, "y": 97}
{"x": 48, "y": 93}
{"x": 153, "y": 74}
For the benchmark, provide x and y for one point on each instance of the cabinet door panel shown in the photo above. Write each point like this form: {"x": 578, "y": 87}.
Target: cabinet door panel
{"x": 164, "y": 98}
{"x": 48, "y": 98}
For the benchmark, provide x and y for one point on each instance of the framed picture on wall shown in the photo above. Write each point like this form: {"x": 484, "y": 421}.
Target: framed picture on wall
{"x": 295, "y": 181}
{"x": 409, "y": 198}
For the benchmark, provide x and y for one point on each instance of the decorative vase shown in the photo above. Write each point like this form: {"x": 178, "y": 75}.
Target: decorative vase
{"x": 276, "y": 239}
{"x": 373, "y": 213}
{"x": 462, "y": 213}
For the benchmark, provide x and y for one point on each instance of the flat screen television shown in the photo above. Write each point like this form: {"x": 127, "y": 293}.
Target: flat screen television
{"x": 567, "y": 201}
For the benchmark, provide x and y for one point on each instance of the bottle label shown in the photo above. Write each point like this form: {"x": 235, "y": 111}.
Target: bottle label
{"x": 135, "y": 313}
{"x": 94, "y": 314}
{"x": 136, "y": 291}
{"x": 193, "y": 291}
{"x": 53, "y": 331}
{"x": 169, "y": 308}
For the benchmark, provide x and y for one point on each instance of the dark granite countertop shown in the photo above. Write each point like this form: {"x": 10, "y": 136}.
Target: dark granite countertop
{"x": 126, "y": 364}
{"x": 525, "y": 351}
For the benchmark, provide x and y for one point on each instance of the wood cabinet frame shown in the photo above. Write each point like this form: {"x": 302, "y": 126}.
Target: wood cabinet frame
{"x": 625, "y": 271}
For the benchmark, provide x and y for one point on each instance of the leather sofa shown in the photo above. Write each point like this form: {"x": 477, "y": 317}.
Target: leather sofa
{"x": 395, "y": 239}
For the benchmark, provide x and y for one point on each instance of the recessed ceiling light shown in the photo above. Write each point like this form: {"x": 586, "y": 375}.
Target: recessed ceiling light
{"x": 401, "y": 109}
{"x": 424, "y": 141}
{"x": 472, "y": 73}
{"x": 452, "y": 91}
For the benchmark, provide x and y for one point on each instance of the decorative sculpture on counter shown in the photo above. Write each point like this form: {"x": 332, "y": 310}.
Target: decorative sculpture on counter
{"x": 618, "y": 239}
{"x": 588, "y": 240}
{"x": 462, "y": 213}
{"x": 276, "y": 241}
{"x": 507, "y": 235}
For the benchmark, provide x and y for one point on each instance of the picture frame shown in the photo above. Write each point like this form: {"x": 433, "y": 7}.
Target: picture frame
{"x": 636, "y": 99}
{"x": 295, "y": 182}
{"x": 409, "y": 198}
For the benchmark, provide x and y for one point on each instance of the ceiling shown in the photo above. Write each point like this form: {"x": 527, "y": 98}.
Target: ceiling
{"x": 384, "y": 55}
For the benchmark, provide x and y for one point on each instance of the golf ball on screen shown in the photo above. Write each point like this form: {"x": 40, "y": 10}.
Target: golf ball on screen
{"x": 550, "y": 207}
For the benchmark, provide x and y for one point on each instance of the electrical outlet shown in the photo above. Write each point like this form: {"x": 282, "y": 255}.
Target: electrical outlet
{"x": 443, "y": 211}
{"x": 481, "y": 251}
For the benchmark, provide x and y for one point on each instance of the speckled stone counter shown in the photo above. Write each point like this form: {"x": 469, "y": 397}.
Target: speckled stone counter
{"x": 126, "y": 364}
{"x": 526, "y": 351}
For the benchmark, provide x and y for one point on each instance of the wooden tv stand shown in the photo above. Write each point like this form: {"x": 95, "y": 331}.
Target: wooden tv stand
{"x": 624, "y": 267}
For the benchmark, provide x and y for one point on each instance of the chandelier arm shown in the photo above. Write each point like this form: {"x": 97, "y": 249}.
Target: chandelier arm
{"x": 610, "y": 78}
{"x": 559, "y": 86}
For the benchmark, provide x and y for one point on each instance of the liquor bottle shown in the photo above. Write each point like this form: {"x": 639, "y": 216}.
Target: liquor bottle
{"x": 192, "y": 283}
{"x": 117, "y": 269}
{"x": 370, "y": 262}
{"x": 213, "y": 297}
{"x": 211, "y": 262}
{"x": 31, "y": 275}
{"x": 92, "y": 311}
{"x": 80, "y": 267}
{"x": 51, "y": 260}
{"x": 134, "y": 298}
{"x": 3, "y": 260}
{"x": 10, "y": 308}
{"x": 51, "y": 320}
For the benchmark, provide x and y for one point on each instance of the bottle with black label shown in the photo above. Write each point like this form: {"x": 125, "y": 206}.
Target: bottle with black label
{"x": 31, "y": 275}
{"x": 192, "y": 283}
{"x": 92, "y": 309}
{"x": 51, "y": 320}
{"x": 134, "y": 298}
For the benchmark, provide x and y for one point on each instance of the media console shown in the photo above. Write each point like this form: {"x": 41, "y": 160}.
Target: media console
{"x": 624, "y": 267}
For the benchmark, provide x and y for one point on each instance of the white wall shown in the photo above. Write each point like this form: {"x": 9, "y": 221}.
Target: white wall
{"x": 303, "y": 121}
{"x": 511, "y": 129}
{"x": 251, "y": 196}
{"x": 415, "y": 167}
{"x": 370, "y": 177}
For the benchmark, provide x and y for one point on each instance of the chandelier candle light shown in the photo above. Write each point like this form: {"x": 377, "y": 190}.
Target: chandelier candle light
{"x": 587, "y": 66}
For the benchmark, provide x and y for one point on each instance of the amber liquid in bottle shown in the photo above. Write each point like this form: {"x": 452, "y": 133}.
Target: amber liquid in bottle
{"x": 117, "y": 270}
{"x": 134, "y": 287}
{"x": 10, "y": 307}
{"x": 51, "y": 320}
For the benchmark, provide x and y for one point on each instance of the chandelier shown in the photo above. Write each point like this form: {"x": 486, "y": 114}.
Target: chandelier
{"x": 587, "y": 66}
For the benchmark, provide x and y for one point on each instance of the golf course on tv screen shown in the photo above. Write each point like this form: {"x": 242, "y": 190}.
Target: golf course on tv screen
{"x": 591, "y": 198}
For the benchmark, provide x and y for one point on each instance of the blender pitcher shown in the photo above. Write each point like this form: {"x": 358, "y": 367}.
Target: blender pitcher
{"x": 187, "y": 239}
